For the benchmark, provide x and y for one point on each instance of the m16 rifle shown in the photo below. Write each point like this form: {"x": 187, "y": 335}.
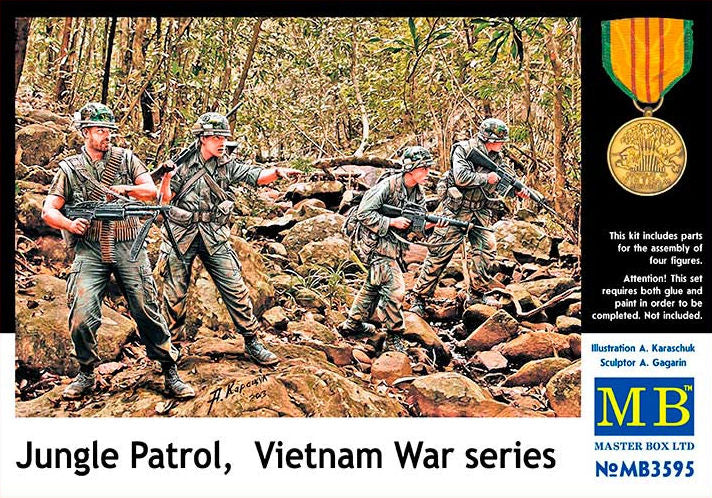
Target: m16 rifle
{"x": 117, "y": 211}
{"x": 508, "y": 180}
{"x": 418, "y": 215}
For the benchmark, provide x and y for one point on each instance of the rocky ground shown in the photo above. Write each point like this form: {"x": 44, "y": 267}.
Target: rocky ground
{"x": 511, "y": 351}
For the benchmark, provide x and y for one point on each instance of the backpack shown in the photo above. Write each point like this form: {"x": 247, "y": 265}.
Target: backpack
{"x": 352, "y": 228}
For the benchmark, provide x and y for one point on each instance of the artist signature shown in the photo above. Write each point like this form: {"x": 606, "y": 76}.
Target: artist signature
{"x": 242, "y": 389}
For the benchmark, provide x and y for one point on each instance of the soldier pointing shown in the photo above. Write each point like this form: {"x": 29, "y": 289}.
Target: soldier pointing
{"x": 200, "y": 192}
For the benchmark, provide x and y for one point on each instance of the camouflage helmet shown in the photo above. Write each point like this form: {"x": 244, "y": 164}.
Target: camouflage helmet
{"x": 416, "y": 157}
{"x": 493, "y": 130}
{"x": 94, "y": 114}
{"x": 211, "y": 123}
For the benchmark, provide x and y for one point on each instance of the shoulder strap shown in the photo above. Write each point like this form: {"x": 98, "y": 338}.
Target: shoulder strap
{"x": 128, "y": 158}
{"x": 188, "y": 184}
{"x": 216, "y": 189}
{"x": 68, "y": 165}
{"x": 392, "y": 181}
{"x": 467, "y": 145}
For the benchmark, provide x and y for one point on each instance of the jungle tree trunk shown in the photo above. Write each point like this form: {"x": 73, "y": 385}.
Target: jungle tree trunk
{"x": 60, "y": 86}
{"x": 526, "y": 68}
{"x": 22, "y": 30}
{"x": 138, "y": 63}
{"x": 357, "y": 92}
{"x": 246, "y": 68}
{"x": 558, "y": 118}
{"x": 107, "y": 61}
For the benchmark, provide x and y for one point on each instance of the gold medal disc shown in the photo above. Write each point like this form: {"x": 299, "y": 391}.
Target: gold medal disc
{"x": 647, "y": 156}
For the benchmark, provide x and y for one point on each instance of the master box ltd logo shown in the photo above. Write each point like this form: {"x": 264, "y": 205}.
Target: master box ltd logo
{"x": 644, "y": 406}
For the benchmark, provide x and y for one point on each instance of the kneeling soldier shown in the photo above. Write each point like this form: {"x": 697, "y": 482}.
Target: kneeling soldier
{"x": 384, "y": 286}
{"x": 102, "y": 248}
{"x": 199, "y": 221}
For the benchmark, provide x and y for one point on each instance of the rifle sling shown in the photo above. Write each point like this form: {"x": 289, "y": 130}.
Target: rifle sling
{"x": 212, "y": 184}
{"x": 216, "y": 189}
{"x": 187, "y": 186}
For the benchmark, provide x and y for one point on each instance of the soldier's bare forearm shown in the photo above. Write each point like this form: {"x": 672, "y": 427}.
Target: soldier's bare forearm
{"x": 143, "y": 192}
{"x": 55, "y": 219}
{"x": 268, "y": 175}
{"x": 165, "y": 193}
{"x": 51, "y": 213}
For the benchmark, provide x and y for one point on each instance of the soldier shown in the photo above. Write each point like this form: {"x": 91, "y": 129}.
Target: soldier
{"x": 202, "y": 204}
{"x": 467, "y": 194}
{"x": 102, "y": 248}
{"x": 384, "y": 286}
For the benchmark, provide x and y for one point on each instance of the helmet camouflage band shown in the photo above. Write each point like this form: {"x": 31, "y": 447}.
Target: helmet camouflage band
{"x": 94, "y": 114}
{"x": 493, "y": 130}
{"x": 416, "y": 157}
{"x": 211, "y": 123}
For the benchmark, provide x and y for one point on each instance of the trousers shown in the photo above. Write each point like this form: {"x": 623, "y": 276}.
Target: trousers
{"x": 86, "y": 286}
{"x": 225, "y": 270}
{"x": 448, "y": 239}
{"x": 382, "y": 292}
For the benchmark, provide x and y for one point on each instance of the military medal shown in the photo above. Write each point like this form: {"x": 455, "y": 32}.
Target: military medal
{"x": 645, "y": 57}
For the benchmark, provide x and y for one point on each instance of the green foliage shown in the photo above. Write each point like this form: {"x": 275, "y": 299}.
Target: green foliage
{"x": 302, "y": 164}
{"x": 423, "y": 79}
{"x": 333, "y": 285}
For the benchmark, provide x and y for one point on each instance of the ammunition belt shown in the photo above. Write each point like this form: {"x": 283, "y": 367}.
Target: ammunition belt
{"x": 107, "y": 232}
{"x": 123, "y": 230}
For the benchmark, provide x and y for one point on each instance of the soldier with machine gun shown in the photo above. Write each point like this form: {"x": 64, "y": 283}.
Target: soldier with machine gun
{"x": 103, "y": 238}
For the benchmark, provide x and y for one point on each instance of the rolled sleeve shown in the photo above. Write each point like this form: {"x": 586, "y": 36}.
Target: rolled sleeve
{"x": 136, "y": 168}
{"x": 60, "y": 185}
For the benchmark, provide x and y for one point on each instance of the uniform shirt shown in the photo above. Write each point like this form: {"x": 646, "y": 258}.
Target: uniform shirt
{"x": 388, "y": 191}
{"x": 70, "y": 187}
{"x": 469, "y": 179}
{"x": 199, "y": 198}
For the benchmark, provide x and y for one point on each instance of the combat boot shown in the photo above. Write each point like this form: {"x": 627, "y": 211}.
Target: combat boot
{"x": 418, "y": 306}
{"x": 352, "y": 327}
{"x": 82, "y": 384}
{"x": 394, "y": 342}
{"x": 258, "y": 352}
{"x": 173, "y": 383}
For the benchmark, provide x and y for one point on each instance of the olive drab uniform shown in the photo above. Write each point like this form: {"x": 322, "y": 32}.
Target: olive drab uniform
{"x": 104, "y": 250}
{"x": 465, "y": 195}
{"x": 199, "y": 219}
{"x": 384, "y": 288}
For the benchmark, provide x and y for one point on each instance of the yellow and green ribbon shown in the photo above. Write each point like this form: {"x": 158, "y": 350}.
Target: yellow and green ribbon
{"x": 646, "y": 56}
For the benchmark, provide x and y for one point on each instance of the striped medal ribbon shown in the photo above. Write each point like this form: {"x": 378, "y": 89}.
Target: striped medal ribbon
{"x": 645, "y": 58}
